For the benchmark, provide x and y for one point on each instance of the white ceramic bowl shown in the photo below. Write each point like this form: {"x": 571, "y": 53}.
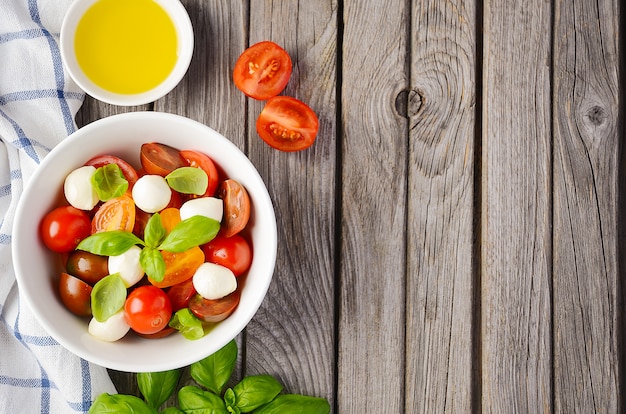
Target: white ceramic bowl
{"x": 184, "y": 31}
{"x": 37, "y": 274}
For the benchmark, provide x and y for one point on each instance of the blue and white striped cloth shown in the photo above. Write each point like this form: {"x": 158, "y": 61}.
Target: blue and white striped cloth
{"x": 38, "y": 102}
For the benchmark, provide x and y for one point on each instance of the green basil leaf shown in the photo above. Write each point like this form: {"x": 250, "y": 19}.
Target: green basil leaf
{"x": 256, "y": 390}
{"x": 215, "y": 370}
{"x": 107, "y": 297}
{"x": 109, "y": 243}
{"x": 188, "y": 180}
{"x": 193, "y": 399}
{"x": 154, "y": 232}
{"x": 295, "y": 404}
{"x": 121, "y": 404}
{"x": 152, "y": 263}
{"x": 187, "y": 324}
{"x": 229, "y": 399}
{"x": 157, "y": 387}
{"x": 109, "y": 182}
{"x": 191, "y": 232}
{"x": 172, "y": 410}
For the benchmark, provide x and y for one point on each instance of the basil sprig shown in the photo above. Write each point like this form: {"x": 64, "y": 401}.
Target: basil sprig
{"x": 107, "y": 297}
{"x": 188, "y": 180}
{"x": 109, "y": 182}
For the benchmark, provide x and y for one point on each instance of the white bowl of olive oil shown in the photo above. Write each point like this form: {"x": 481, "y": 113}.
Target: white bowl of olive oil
{"x": 126, "y": 52}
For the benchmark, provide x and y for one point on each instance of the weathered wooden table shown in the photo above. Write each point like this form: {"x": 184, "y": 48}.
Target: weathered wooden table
{"x": 450, "y": 243}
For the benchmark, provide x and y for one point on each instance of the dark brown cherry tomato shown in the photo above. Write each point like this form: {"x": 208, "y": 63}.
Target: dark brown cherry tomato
{"x": 160, "y": 159}
{"x": 287, "y": 124}
{"x": 129, "y": 172}
{"x": 214, "y": 310}
{"x": 236, "y": 207}
{"x": 63, "y": 228}
{"x": 116, "y": 214}
{"x": 147, "y": 310}
{"x": 88, "y": 267}
{"x": 232, "y": 252}
{"x": 262, "y": 70}
{"x": 203, "y": 161}
{"x": 75, "y": 294}
{"x": 180, "y": 294}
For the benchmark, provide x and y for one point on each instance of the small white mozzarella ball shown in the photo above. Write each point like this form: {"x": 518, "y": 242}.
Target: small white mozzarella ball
{"x": 127, "y": 265}
{"x": 78, "y": 189}
{"x": 110, "y": 330}
{"x": 213, "y": 281}
{"x": 151, "y": 193}
{"x": 210, "y": 207}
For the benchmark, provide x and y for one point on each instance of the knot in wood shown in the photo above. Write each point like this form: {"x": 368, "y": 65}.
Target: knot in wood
{"x": 596, "y": 115}
{"x": 409, "y": 102}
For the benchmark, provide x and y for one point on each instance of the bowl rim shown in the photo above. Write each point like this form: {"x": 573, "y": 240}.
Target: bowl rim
{"x": 77, "y": 346}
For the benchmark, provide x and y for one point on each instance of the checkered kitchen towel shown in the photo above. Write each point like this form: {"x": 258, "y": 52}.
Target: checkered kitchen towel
{"x": 37, "y": 107}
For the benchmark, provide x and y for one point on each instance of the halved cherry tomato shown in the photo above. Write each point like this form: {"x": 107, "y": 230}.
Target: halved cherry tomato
{"x": 216, "y": 310}
{"x": 147, "y": 310}
{"x": 63, "y": 228}
{"x": 179, "y": 266}
{"x": 75, "y": 294}
{"x": 180, "y": 294}
{"x": 129, "y": 172}
{"x": 232, "y": 252}
{"x": 88, "y": 267}
{"x": 116, "y": 214}
{"x": 203, "y": 161}
{"x": 160, "y": 159}
{"x": 262, "y": 70}
{"x": 287, "y": 124}
{"x": 170, "y": 217}
{"x": 236, "y": 207}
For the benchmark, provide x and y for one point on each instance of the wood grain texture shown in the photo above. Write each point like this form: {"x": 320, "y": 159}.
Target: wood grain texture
{"x": 516, "y": 208}
{"x": 441, "y": 109}
{"x": 586, "y": 150}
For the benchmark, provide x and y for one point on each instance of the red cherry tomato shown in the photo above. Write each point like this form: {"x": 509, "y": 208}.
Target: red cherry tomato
{"x": 214, "y": 310}
{"x": 75, "y": 294}
{"x": 263, "y": 70}
{"x": 63, "y": 228}
{"x": 160, "y": 159}
{"x": 180, "y": 294}
{"x": 129, "y": 172}
{"x": 236, "y": 207}
{"x": 147, "y": 309}
{"x": 232, "y": 252}
{"x": 287, "y": 124}
{"x": 203, "y": 161}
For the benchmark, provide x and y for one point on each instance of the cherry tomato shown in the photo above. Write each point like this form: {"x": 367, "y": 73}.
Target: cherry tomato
{"x": 129, "y": 172}
{"x": 161, "y": 334}
{"x": 147, "y": 309}
{"x": 141, "y": 219}
{"x": 232, "y": 252}
{"x": 116, "y": 214}
{"x": 88, "y": 267}
{"x": 203, "y": 161}
{"x": 180, "y": 294}
{"x": 63, "y": 228}
{"x": 287, "y": 124}
{"x": 179, "y": 266}
{"x": 236, "y": 207}
{"x": 160, "y": 159}
{"x": 209, "y": 310}
{"x": 263, "y": 70}
{"x": 170, "y": 217}
{"x": 75, "y": 294}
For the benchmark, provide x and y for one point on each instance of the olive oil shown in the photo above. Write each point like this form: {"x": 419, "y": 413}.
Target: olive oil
{"x": 126, "y": 46}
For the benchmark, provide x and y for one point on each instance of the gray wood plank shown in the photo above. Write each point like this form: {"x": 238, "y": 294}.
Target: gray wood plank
{"x": 516, "y": 208}
{"x": 586, "y": 153}
{"x": 440, "y": 306}
{"x": 373, "y": 217}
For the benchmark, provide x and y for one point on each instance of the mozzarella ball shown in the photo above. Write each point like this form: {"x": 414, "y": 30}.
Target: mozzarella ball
{"x": 151, "y": 193}
{"x": 127, "y": 265}
{"x": 210, "y": 207}
{"x": 213, "y": 281}
{"x": 110, "y": 330}
{"x": 78, "y": 189}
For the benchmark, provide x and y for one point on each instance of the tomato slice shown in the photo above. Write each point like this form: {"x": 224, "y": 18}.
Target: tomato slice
{"x": 147, "y": 310}
{"x": 214, "y": 310}
{"x": 236, "y": 207}
{"x": 129, "y": 172}
{"x": 116, "y": 214}
{"x": 179, "y": 266}
{"x": 287, "y": 124}
{"x": 75, "y": 294}
{"x": 160, "y": 159}
{"x": 232, "y": 252}
{"x": 263, "y": 70}
{"x": 203, "y": 161}
{"x": 63, "y": 228}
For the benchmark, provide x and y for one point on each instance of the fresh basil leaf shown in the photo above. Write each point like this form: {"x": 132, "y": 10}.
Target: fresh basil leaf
{"x": 187, "y": 324}
{"x": 157, "y": 387}
{"x": 121, "y": 404}
{"x": 152, "y": 263}
{"x": 295, "y": 404}
{"x": 229, "y": 399}
{"x": 172, "y": 410}
{"x": 109, "y": 182}
{"x": 255, "y": 390}
{"x": 154, "y": 232}
{"x": 215, "y": 370}
{"x": 109, "y": 243}
{"x": 193, "y": 399}
{"x": 191, "y": 232}
{"x": 107, "y": 297}
{"x": 188, "y": 180}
